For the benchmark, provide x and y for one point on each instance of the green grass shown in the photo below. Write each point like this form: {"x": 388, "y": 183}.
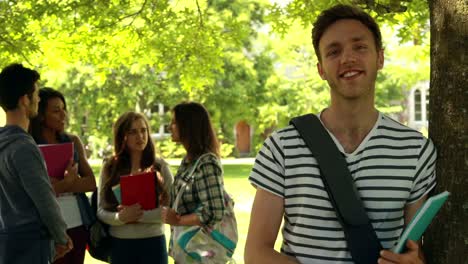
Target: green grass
{"x": 236, "y": 183}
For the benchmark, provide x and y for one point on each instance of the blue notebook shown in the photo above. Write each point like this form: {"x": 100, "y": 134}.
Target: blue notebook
{"x": 421, "y": 220}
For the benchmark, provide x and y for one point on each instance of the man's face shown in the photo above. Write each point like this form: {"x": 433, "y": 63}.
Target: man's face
{"x": 349, "y": 59}
{"x": 34, "y": 102}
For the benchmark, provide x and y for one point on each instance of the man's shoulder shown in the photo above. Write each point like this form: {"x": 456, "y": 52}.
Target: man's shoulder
{"x": 26, "y": 146}
{"x": 391, "y": 126}
{"x": 285, "y": 133}
{"x": 22, "y": 141}
{"x": 23, "y": 151}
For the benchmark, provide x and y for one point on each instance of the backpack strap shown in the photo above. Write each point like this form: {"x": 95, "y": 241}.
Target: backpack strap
{"x": 360, "y": 236}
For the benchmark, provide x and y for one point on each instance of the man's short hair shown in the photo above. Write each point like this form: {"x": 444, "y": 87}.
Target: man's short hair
{"x": 338, "y": 12}
{"x": 15, "y": 82}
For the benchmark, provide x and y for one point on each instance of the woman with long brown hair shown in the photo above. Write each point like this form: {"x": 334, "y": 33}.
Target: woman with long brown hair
{"x": 202, "y": 202}
{"x": 137, "y": 234}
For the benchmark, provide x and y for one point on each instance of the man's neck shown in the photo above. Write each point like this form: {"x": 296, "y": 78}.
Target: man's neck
{"x": 350, "y": 118}
{"x": 350, "y": 124}
{"x": 17, "y": 118}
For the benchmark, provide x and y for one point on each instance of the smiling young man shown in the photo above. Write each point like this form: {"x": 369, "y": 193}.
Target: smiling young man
{"x": 393, "y": 166}
{"x": 31, "y": 225}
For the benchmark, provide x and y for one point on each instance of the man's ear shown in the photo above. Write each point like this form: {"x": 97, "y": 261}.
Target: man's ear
{"x": 24, "y": 101}
{"x": 321, "y": 72}
{"x": 380, "y": 59}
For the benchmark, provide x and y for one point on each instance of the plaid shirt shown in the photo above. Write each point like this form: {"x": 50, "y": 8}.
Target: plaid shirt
{"x": 204, "y": 196}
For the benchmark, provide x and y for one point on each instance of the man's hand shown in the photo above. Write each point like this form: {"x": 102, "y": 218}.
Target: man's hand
{"x": 412, "y": 256}
{"x": 62, "y": 250}
{"x": 169, "y": 216}
{"x": 129, "y": 214}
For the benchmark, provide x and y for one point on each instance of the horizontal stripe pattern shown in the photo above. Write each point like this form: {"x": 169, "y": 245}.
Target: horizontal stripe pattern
{"x": 393, "y": 166}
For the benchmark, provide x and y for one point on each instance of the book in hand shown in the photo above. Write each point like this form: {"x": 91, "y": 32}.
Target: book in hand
{"x": 421, "y": 220}
{"x": 57, "y": 157}
{"x": 139, "y": 188}
{"x": 117, "y": 193}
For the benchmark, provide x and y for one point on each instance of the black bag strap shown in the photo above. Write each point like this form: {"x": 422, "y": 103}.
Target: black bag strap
{"x": 359, "y": 234}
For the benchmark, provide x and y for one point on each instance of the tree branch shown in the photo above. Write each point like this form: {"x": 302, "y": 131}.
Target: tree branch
{"x": 200, "y": 15}
{"x": 120, "y": 19}
{"x": 15, "y": 48}
{"x": 136, "y": 14}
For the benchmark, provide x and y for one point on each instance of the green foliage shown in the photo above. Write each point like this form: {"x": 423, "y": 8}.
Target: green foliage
{"x": 166, "y": 148}
{"x": 226, "y": 150}
{"x": 245, "y": 60}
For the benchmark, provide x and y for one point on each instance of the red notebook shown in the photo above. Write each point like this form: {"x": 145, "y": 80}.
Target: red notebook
{"x": 57, "y": 157}
{"x": 139, "y": 188}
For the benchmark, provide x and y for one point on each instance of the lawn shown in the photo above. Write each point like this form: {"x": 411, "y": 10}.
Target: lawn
{"x": 236, "y": 183}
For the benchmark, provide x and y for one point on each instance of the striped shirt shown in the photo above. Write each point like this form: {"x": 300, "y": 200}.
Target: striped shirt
{"x": 204, "y": 196}
{"x": 393, "y": 166}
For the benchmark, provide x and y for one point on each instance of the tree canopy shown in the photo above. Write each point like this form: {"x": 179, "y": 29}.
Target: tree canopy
{"x": 244, "y": 59}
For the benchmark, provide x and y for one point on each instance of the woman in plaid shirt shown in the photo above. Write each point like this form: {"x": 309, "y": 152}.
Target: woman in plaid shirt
{"x": 202, "y": 202}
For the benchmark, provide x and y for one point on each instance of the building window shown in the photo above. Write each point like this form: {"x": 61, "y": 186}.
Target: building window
{"x": 163, "y": 129}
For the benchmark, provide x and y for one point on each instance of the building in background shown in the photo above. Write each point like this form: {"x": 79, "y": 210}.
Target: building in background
{"x": 418, "y": 106}
{"x": 163, "y": 131}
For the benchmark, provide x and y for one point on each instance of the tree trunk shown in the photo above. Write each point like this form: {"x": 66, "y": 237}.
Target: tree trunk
{"x": 446, "y": 241}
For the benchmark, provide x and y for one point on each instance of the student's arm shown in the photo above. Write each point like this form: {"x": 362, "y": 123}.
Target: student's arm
{"x": 424, "y": 182}
{"x": 265, "y": 222}
{"x": 210, "y": 193}
{"x": 154, "y": 216}
{"x": 108, "y": 217}
{"x": 210, "y": 190}
{"x": 414, "y": 253}
{"x": 170, "y": 217}
{"x": 209, "y": 185}
{"x": 168, "y": 181}
{"x": 124, "y": 214}
{"x": 32, "y": 174}
{"x": 85, "y": 180}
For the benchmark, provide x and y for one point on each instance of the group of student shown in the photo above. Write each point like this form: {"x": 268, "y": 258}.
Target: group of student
{"x": 137, "y": 234}
{"x": 393, "y": 168}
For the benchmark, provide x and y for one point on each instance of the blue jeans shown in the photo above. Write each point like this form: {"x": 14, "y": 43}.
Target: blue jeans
{"x": 139, "y": 251}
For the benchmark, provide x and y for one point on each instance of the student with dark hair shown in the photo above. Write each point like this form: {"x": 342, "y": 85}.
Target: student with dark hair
{"x": 392, "y": 166}
{"x": 202, "y": 203}
{"x": 137, "y": 234}
{"x": 32, "y": 229}
{"x": 48, "y": 127}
